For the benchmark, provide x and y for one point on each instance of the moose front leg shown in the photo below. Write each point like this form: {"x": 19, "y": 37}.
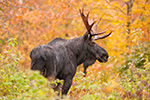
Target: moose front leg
{"x": 85, "y": 71}
{"x": 66, "y": 86}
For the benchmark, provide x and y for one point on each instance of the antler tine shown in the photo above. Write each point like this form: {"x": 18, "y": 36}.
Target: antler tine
{"x": 101, "y": 37}
{"x": 92, "y": 25}
{"x": 99, "y": 33}
{"x": 88, "y": 14}
{"x": 85, "y": 19}
{"x": 95, "y": 28}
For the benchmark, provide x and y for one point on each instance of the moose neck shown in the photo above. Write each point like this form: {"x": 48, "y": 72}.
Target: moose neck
{"x": 78, "y": 48}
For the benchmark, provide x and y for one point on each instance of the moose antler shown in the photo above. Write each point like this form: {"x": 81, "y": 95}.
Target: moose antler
{"x": 89, "y": 27}
{"x": 85, "y": 20}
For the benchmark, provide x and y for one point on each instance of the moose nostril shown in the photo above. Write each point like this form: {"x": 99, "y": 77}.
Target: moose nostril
{"x": 105, "y": 58}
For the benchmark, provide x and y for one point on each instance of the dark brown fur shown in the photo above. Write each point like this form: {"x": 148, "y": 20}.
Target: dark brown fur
{"x": 89, "y": 59}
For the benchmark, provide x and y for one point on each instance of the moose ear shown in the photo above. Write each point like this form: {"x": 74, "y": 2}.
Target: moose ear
{"x": 87, "y": 36}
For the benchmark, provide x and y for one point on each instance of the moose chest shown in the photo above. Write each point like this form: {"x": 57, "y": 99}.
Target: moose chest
{"x": 65, "y": 64}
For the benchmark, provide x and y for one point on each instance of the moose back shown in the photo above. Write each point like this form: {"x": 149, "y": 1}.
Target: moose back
{"x": 61, "y": 60}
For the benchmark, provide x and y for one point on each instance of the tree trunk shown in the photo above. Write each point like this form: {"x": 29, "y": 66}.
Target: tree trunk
{"x": 149, "y": 32}
{"x": 129, "y": 9}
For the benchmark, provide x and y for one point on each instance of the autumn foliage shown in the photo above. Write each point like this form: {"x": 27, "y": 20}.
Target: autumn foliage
{"x": 25, "y": 24}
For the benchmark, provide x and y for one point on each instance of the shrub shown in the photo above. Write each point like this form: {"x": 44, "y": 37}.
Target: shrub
{"x": 138, "y": 56}
{"x": 136, "y": 83}
{"x": 134, "y": 73}
{"x": 16, "y": 84}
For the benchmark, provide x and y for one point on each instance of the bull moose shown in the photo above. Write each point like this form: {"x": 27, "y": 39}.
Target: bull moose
{"x": 60, "y": 60}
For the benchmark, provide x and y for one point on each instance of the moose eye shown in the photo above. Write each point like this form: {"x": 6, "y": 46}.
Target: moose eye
{"x": 92, "y": 43}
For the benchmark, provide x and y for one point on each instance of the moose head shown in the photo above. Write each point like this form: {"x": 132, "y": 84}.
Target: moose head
{"x": 94, "y": 50}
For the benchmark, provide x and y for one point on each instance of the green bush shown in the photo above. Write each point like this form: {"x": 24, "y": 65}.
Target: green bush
{"x": 136, "y": 83}
{"x": 133, "y": 82}
{"x": 134, "y": 73}
{"x": 138, "y": 56}
{"x": 16, "y": 84}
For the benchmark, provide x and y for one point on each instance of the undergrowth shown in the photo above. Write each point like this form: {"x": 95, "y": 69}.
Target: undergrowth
{"x": 129, "y": 81}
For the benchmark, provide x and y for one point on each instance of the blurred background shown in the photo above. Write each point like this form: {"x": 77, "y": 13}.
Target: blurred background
{"x": 25, "y": 24}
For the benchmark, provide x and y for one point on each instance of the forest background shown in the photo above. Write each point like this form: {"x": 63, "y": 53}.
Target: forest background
{"x": 25, "y": 24}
